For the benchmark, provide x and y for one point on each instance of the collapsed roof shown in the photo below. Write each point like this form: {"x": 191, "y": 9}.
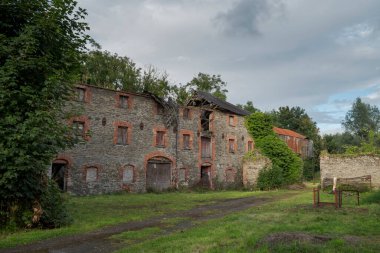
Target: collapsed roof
{"x": 201, "y": 98}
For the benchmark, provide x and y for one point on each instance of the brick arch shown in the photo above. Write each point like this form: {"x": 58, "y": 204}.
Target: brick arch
{"x": 158, "y": 154}
{"x": 64, "y": 158}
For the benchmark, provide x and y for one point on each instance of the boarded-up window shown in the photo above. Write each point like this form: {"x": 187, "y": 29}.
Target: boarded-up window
{"x": 123, "y": 100}
{"x": 231, "y": 145}
{"x": 186, "y": 141}
{"x": 122, "y": 135}
{"x": 78, "y": 128}
{"x": 186, "y": 113}
{"x": 128, "y": 175}
{"x": 182, "y": 175}
{"x": 230, "y": 176}
{"x": 206, "y": 147}
{"x": 250, "y": 145}
{"x": 91, "y": 174}
{"x": 231, "y": 120}
{"x": 160, "y": 138}
{"x": 80, "y": 94}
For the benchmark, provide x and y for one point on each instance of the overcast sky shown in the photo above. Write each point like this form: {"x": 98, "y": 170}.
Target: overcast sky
{"x": 319, "y": 55}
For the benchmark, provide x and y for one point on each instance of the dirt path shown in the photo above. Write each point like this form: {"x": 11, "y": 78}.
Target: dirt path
{"x": 100, "y": 241}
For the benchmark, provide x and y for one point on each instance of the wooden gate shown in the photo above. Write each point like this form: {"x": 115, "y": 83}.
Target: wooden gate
{"x": 158, "y": 174}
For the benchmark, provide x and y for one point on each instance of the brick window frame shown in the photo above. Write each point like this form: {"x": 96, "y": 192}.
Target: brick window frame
{"x": 183, "y": 132}
{"x": 88, "y": 167}
{"x": 235, "y": 145}
{"x": 166, "y": 137}
{"x": 189, "y": 113}
{"x": 232, "y": 120}
{"x": 186, "y": 172}
{"x": 248, "y": 143}
{"x": 118, "y": 100}
{"x": 86, "y": 125}
{"x": 121, "y": 173}
{"x": 158, "y": 109}
{"x": 229, "y": 172}
{"x": 118, "y": 124}
{"x": 87, "y": 94}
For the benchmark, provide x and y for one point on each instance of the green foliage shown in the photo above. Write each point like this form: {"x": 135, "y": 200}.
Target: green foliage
{"x": 54, "y": 213}
{"x": 259, "y": 125}
{"x": 361, "y": 119}
{"x": 282, "y": 157}
{"x": 209, "y": 83}
{"x": 286, "y": 165}
{"x": 337, "y": 143}
{"x": 248, "y": 107}
{"x": 308, "y": 169}
{"x": 372, "y": 198}
{"x": 116, "y": 72}
{"x": 41, "y": 43}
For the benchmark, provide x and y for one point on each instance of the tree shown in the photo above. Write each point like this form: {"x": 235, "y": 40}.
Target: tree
{"x": 112, "y": 71}
{"x": 209, "y": 83}
{"x": 248, "y": 107}
{"x": 41, "y": 43}
{"x": 103, "y": 69}
{"x": 361, "y": 119}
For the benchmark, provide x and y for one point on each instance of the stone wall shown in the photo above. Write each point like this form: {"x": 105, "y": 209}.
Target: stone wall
{"x": 99, "y": 165}
{"x": 351, "y": 166}
{"x": 252, "y": 167}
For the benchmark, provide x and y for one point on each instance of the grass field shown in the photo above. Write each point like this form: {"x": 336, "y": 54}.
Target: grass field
{"x": 287, "y": 225}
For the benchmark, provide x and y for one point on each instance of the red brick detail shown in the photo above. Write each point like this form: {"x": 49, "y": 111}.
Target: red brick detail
{"x": 155, "y": 108}
{"x": 86, "y": 122}
{"x": 63, "y": 158}
{"x": 166, "y": 136}
{"x": 126, "y": 186}
{"x": 235, "y": 121}
{"x": 231, "y": 137}
{"x": 122, "y": 124}
{"x": 130, "y": 100}
{"x": 229, "y": 175}
{"x": 186, "y": 174}
{"x": 183, "y": 132}
{"x": 181, "y": 113}
{"x": 87, "y": 93}
{"x": 246, "y": 144}
{"x": 158, "y": 154}
{"x": 85, "y": 167}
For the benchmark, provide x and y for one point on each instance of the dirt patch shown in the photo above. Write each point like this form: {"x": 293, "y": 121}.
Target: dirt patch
{"x": 100, "y": 241}
{"x": 299, "y": 186}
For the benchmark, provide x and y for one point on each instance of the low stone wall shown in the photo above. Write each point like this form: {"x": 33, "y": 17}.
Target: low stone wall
{"x": 252, "y": 167}
{"x": 342, "y": 166}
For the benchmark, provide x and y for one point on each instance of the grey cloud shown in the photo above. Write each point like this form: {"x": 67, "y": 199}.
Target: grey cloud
{"x": 245, "y": 17}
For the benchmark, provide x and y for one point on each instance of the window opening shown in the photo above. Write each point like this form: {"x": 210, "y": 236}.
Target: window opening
{"x": 186, "y": 113}
{"x": 186, "y": 141}
{"x": 250, "y": 145}
{"x": 231, "y": 145}
{"x": 160, "y": 141}
{"x": 122, "y": 135}
{"x": 206, "y": 147}
{"x": 205, "y": 120}
{"x": 80, "y": 92}
{"x": 123, "y": 100}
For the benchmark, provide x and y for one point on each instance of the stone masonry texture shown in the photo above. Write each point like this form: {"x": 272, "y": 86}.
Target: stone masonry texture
{"x": 351, "y": 166}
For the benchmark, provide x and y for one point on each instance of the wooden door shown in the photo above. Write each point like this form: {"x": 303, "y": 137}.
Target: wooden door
{"x": 158, "y": 176}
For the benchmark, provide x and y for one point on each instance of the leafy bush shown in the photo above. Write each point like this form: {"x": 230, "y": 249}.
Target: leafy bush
{"x": 286, "y": 165}
{"x": 53, "y": 206}
{"x": 308, "y": 169}
{"x": 372, "y": 198}
{"x": 282, "y": 158}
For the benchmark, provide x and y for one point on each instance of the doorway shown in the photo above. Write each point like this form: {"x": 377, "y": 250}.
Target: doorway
{"x": 205, "y": 176}
{"x": 158, "y": 174}
{"x": 58, "y": 172}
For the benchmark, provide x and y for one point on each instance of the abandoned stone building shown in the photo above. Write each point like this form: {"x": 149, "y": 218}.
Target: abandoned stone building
{"x": 300, "y": 144}
{"x": 137, "y": 142}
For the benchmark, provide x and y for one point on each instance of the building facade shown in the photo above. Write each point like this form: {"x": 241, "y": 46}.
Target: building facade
{"x": 138, "y": 142}
{"x": 300, "y": 144}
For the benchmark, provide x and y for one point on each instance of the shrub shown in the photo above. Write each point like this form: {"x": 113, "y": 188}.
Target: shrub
{"x": 372, "y": 198}
{"x": 270, "y": 178}
{"x": 53, "y": 206}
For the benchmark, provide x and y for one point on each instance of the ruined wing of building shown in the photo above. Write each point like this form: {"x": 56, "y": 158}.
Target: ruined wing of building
{"x": 139, "y": 142}
{"x": 300, "y": 144}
